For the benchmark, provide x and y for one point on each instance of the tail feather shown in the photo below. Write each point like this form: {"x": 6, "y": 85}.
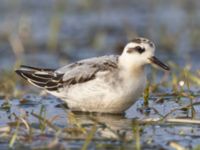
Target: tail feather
{"x": 43, "y": 78}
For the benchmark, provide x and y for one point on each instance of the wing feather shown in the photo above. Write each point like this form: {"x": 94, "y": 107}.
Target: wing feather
{"x": 79, "y": 72}
{"x": 87, "y": 69}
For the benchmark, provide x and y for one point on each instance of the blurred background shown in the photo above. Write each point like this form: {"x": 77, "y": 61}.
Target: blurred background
{"x": 52, "y": 33}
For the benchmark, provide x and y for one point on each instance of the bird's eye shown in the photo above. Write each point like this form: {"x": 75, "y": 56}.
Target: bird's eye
{"x": 139, "y": 49}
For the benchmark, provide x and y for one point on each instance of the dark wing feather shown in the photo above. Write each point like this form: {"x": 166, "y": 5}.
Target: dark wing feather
{"x": 44, "y": 78}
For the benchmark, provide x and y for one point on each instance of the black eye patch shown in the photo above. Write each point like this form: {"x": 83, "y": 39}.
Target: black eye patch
{"x": 137, "y": 49}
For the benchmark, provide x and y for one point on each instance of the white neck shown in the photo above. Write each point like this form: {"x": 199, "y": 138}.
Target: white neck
{"x": 130, "y": 68}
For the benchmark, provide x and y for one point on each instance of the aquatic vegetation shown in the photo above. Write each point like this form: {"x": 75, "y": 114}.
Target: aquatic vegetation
{"x": 8, "y": 83}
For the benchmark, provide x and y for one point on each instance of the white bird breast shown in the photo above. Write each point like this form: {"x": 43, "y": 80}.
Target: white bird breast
{"x": 103, "y": 95}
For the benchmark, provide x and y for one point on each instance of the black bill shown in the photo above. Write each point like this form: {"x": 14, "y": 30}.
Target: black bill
{"x": 157, "y": 62}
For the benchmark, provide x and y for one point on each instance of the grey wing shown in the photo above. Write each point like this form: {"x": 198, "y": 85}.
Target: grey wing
{"x": 79, "y": 72}
{"x": 85, "y": 70}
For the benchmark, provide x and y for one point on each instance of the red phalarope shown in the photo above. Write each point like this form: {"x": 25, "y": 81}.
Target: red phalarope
{"x": 107, "y": 84}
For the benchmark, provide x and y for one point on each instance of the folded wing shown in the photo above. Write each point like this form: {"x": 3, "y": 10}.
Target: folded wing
{"x": 79, "y": 72}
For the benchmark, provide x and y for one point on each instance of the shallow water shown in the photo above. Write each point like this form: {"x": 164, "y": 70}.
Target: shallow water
{"x": 110, "y": 128}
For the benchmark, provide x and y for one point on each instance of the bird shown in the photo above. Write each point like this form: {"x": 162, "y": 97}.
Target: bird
{"x": 104, "y": 84}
